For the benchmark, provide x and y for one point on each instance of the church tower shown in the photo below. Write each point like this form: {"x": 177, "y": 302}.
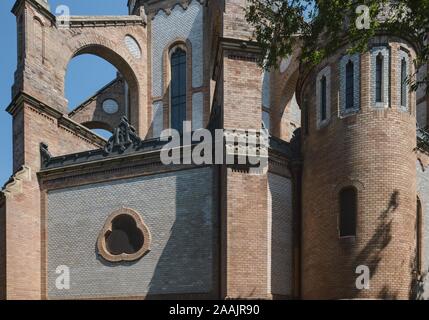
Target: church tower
{"x": 359, "y": 174}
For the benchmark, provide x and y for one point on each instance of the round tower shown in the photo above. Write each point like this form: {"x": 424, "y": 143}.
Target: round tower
{"x": 359, "y": 174}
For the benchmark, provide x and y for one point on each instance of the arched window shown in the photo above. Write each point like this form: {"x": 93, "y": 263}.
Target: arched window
{"x": 348, "y": 212}
{"x": 323, "y": 98}
{"x": 419, "y": 234}
{"x": 350, "y": 85}
{"x": 404, "y": 73}
{"x": 178, "y": 89}
{"x": 379, "y": 78}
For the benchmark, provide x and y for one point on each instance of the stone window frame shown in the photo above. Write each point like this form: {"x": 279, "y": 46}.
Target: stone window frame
{"x": 325, "y": 72}
{"x": 385, "y": 52}
{"x": 110, "y": 113}
{"x": 403, "y": 53}
{"x": 355, "y": 59}
{"x": 360, "y": 187}
{"x": 184, "y": 44}
{"x": 140, "y": 224}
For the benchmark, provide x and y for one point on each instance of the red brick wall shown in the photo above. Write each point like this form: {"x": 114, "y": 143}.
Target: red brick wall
{"x": 43, "y": 73}
{"x": 2, "y": 248}
{"x": 245, "y": 235}
{"x": 92, "y": 114}
{"x": 374, "y": 151}
{"x": 23, "y": 225}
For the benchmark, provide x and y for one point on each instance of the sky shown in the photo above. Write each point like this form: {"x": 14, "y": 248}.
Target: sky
{"x": 85, "y": 74}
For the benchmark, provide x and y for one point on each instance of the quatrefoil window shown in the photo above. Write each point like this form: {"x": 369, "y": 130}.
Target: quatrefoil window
{"x": 124, "y": 237}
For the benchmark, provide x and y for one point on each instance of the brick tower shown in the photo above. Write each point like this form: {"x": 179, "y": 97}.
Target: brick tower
{"x": 359, "y": 173}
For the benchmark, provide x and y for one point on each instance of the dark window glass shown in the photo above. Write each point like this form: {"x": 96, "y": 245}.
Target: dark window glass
{"x": 348, "y": 211}
{"x": 323, "y": 98}
{"x": 125, "y": 237}
{"x": 178, "y": 89}
{"x": 379, "y": 78}
{"x": 418, "y": 262}
{"x": 403, "y": 82}
{"x": 349, "y": 85}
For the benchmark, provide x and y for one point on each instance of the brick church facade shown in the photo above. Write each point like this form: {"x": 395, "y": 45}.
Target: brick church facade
{"x": 347, "y": 185}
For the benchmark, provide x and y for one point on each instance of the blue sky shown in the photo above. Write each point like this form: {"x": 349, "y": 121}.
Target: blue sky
{"x": 85, "y": 74}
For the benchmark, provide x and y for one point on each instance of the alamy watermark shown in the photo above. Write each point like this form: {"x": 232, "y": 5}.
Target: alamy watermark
{"x": 62, "y": 282}
{"x": 362, "y": 281}
{"x": 247, "y": 147}
{"x": 63, "y": 16}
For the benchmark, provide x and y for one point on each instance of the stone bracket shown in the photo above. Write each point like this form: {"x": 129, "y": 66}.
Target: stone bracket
{"x": 15, "y": 183}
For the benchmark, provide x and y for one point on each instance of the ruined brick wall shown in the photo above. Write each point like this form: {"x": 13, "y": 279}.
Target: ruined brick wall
{"x": 371, "y": 149}
{"x": 91, "y": 113}
{"x": 47, "y": 47}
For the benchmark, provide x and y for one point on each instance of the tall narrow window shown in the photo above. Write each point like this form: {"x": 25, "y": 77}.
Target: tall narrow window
{"x": 404, "y": 82}
{"x": 178, "y": 89}
{"x": 379, "y": 78}
{"x": 348, "y": 212}
{"x": 323, "y": 98}
{"x": 419, "y": 251}
{"x": 350, "y": 85}
{"x": 20, "y": 41}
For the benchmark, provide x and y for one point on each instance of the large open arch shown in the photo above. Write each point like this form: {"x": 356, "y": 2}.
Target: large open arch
{"x": 122, "y": 63}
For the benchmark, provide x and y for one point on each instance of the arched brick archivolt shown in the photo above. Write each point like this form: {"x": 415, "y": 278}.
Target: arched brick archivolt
{"x": 132, "y": 69}
{"x": 101, "y": 36}
{"x": 283, "y": 87}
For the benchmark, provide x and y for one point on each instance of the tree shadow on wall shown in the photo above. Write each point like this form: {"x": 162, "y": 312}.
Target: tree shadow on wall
{"x": 186, "y": 252}
{"x": 371, "y": 255}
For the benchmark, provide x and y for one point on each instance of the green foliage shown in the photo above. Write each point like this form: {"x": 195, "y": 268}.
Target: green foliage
{"x": 320, "y": 27}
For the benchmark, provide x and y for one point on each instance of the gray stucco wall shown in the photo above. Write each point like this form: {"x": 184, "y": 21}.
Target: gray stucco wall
{"x": 280, "y": 209}
{"x": 178, "y": 209}
{"x": 423, "y": 193}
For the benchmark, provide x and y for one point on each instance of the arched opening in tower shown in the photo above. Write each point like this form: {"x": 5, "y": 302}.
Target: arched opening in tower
{"x": 97, "y": 93}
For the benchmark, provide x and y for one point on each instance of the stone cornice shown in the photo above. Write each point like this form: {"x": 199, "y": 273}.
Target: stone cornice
{"x": 64, "y": 121}
{"x": 250, "y": 48}
{"x": 105, "y": 21}
{"x": 42, "y": 9}
{"x": 123, "y": 142}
